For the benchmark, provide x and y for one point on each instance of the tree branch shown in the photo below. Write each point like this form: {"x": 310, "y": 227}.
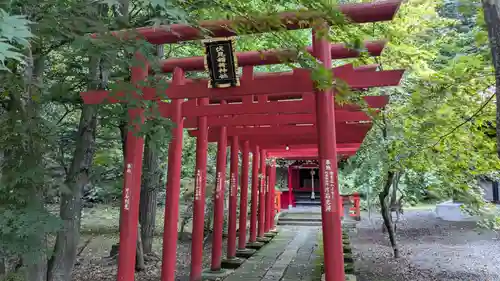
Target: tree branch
{"x": 479, "y": 110}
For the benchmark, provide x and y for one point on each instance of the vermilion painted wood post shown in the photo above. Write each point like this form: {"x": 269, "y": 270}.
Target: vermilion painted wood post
{"x": 218, "y": 198}
{"x": 254, "y": 199}
{"x": 290, "y": 188}
{"x": 262, "y": 195}
{"x": 170, "y": 232}
{"x": 134, "y": 146}
{"x": 199, "y": 198}
{"x": 242, "y": 239}
{"x": 327, "y": 152}
{"x": 272, "y": 187}
{"x": 268, "y": 199}
{"x": 233, "y": 191}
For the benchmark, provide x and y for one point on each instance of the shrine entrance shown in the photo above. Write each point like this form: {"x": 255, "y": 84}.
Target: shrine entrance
{"x": 304, "y": 183}
{"x": 268, "y": 116}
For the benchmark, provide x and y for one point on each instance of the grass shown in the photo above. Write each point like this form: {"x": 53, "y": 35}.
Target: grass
{"x": 104, "y": 219}
{"x": 319, "y": 261}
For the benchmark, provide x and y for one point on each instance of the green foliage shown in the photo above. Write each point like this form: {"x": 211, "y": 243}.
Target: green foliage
{"x": 14, "y": 31}
{"x": 435, "y": 129}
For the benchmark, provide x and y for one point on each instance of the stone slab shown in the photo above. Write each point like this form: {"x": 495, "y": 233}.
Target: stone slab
{"x": 270, "y": 234}
{"x": 232, "y": 263}
{"x": 289, "y": 256}
{"x": 210, "y": 275}
{"x": 264, "y": 239}
{"x": 245, "y": 253}
{"x": 255, "y": 245}
{"x": 348, "y": 277}
{"x": 274, "y": 230}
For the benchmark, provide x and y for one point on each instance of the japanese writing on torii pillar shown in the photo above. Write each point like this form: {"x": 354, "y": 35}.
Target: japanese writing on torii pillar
{"x": 233, "y": 185}
{"x": 329, "y": 182}
{"x": 126, "y": 203}
{"x": 263, "y": 185}
{"x": 218, "y": 185}
{"x": 197, "y": 186}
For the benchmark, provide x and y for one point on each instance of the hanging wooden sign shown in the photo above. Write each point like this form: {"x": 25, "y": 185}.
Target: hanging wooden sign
{"x": 220, "y": 62}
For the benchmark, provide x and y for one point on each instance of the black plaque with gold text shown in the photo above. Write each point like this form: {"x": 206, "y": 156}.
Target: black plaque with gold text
{"x": 220, "y": 62}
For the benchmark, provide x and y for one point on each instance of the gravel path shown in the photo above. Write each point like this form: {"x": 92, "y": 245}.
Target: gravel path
{"x": 431, "y": 249}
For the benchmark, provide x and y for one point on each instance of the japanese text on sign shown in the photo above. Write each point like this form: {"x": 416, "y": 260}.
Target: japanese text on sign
{"x": 197, "y": 186}
{"x": 221, "y": 63}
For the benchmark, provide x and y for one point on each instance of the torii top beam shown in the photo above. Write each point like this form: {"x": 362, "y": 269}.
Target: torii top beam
{"x": 357, "y": 13}
{"x": 266, "y": 104}
{"x": 303, "y": 106}
{"x": 300, "y": 147}
{"x": 290, "y": 134}
{"x": 307, "y": 153}
{"x": 338, "y": 51}
{"x": 297, "y": 81}
{"x": 275, "y": 119}
{"x": 288, "y": 96}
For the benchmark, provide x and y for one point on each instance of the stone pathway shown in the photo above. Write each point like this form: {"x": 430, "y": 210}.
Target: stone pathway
{"x": 289, "y": 256}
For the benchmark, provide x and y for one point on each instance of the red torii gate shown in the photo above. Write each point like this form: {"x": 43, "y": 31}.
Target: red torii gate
{"x": 232, "y": 219}
{"x": 265, "y": 223}
{"x": 299, "y": 81}
{"x": 251, "y": 58}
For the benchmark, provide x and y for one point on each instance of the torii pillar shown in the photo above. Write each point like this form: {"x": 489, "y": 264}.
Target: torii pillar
{"x": 231, "y": 260}
{"x": 134, "y": 146}
{"x": 252, "y": 241}
{"x": 262, "y": 199}
{"x": 243, "y": 251}
{"x": 327, "y": 156}
{"x": 199, "y": 198}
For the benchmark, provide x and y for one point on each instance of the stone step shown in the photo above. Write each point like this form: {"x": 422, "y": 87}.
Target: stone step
{"x": 296, "y": 192}
{"x": 312, "y": 218}
{"x": 350, "y": 227}
{"x": 300, "y": 223}
{"x": 306, "y": 197}
{"x": 316, "y": 202}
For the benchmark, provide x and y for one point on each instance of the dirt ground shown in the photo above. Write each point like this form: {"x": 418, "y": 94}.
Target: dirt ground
{"x": 431, "y": 249}
{"x": 100, "y": 225}
{"x": 93, "y": 265}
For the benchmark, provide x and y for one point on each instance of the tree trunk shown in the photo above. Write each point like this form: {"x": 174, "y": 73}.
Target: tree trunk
{"x": 139, "y": 261}
{"x": 3, "y": 267}
{"x": 66, "y": 247}
{"x": 491, "y": 9}
{"x": 36, "y": 269}
{"x": 151, "y": 180}
{"x": 395, "y": 188}
{"x": 386, "y": 212}
{"x": 36, "y": 265}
